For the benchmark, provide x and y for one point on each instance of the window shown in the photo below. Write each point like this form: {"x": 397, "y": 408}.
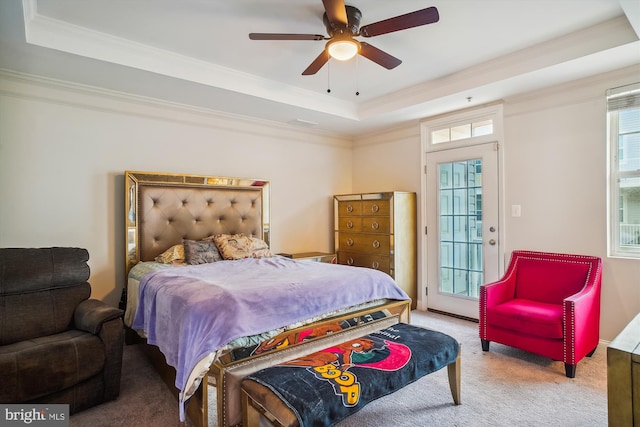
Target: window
{"x": 623, "y": 111}
{"x": 463, "y": 131}
{"x": 460, "y": 239}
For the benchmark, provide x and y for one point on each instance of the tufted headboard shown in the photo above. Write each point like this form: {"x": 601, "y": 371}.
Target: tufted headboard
{"x": 162, "y": 209}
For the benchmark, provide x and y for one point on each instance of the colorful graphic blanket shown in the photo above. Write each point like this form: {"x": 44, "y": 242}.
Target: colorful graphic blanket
{"x": 290, "y": 338}
{"x": 327, "y": 386}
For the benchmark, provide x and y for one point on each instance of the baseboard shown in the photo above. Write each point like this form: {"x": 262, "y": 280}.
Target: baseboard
{"x": 457, "y": 316}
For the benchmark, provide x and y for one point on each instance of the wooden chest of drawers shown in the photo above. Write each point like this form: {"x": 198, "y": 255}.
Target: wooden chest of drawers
{"x": 378, "y": 230}
{"x": 623, "y": 376}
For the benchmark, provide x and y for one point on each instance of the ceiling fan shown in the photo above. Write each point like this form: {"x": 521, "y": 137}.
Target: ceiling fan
{"x": 343, "y": 25}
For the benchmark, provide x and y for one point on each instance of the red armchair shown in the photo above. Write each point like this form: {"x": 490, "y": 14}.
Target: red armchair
{"x": 547, "y": 304}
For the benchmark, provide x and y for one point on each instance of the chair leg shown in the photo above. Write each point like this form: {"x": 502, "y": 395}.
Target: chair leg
{"x": 250, "y": 415}
{"x": 485, "y": 345}
{"x": 592, "y": 351}
{"x": 453, "y": 370}
{"x": 570, "y": 370}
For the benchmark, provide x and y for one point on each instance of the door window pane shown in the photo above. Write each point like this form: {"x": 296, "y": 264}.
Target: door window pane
{"x": 445, "y": 173}
{"x": 446, "y": 228}
{"x": 460, "y": 195}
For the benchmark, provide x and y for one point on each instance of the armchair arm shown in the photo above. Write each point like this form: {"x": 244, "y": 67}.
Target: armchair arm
{"x": 582, "y": 326}
{"x": 586, "y": 297}
{"x": 112, "y": 336}
{"x": 498, "y": 292}
{"x": 101, "y": 319}
{"x": 502, "y": 290}
{"x": 492, "y": 294}
{"x": 91, "y": 314}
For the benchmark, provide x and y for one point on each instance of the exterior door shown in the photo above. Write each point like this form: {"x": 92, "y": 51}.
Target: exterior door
{"x": 462, "y": 226}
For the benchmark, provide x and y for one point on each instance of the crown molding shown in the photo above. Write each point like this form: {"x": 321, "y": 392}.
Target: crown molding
{"x": 55, "y": 34}
{"x": 588, "y": 89}
{"x": 76, "y": 95}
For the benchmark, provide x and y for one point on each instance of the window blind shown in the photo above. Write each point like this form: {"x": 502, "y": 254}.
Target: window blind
{"x": 623, "y": 97}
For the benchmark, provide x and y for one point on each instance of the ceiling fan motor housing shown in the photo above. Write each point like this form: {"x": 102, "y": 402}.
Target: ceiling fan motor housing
{"x": 337, "y": 29}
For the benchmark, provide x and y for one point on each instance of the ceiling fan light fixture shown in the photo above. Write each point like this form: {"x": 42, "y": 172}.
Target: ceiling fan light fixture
{"x": 343, "y": 49}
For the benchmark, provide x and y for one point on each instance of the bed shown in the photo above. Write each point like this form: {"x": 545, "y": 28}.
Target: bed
{"x": 193, "y": 334}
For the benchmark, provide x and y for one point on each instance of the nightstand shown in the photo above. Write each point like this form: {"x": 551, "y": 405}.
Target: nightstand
{"x": 315, "y": 256}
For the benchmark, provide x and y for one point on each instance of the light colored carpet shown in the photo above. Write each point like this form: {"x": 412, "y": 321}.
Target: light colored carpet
{"x": 504, "y": 387}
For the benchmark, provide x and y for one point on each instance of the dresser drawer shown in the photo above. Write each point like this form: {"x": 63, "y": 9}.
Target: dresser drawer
{"x": 369, "y": 243}
{"x": 377, "y": 262}
{"x": 350, "y": 208}
{"x": 369, "y": 224}
{"x": 379, "y": 207}
{"x": 350, "y": 223}
{"x": 375, "y": 224}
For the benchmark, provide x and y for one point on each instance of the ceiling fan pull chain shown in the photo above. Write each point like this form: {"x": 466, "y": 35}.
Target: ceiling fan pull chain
{"x": 357, "y": 79}
{"x": 329, "y": 77}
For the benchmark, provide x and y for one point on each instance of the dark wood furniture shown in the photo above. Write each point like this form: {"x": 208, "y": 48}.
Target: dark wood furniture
{"x": 623, "y": 376}
{"x": 378, "y": 230}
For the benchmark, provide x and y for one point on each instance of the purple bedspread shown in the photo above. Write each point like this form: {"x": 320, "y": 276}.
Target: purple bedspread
{"x": 189, "y": 312}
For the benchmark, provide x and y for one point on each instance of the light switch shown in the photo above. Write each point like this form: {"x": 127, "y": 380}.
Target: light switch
{"x": 516, "y": 211}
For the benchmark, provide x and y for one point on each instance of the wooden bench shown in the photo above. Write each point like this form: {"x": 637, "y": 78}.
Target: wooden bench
{"x": 329, "y": 385}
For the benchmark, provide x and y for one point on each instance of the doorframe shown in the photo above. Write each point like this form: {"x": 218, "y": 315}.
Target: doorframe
{"x": 490, "y": 111}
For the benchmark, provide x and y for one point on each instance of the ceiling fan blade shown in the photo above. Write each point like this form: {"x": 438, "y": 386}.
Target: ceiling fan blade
{"x": 317, "y": 63}
{"x": 275, "y": 36}
{"x": 336, "y": 11}
{"x": 401, "y": 22}
{"x": 378, "y": 56}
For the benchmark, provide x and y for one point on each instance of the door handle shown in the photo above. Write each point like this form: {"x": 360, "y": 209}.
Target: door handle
{"x": 492, "y": 242}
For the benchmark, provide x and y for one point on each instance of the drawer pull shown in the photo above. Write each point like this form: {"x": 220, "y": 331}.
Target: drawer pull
{"x": 349, "y": 224}
{"x": 376, "y": 244}
{"x": 349, "y": 208}
{"x": 350, "y": 242}
{"x": 375, "y": 225}
{"x": 375, "y": 208}
{"x": 375, "y": 265}
{"x": 349, "y": 261}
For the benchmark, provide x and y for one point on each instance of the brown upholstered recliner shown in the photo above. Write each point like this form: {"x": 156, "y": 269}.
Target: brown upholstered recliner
{"x": 56, "y": 344}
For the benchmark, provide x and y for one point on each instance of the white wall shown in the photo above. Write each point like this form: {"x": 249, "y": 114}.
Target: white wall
{"x": 555, "y": 167}
{"x": 64, "y": 149}
{"x": 388, "y": 161}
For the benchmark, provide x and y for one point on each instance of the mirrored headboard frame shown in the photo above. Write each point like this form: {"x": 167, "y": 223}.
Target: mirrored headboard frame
{"x": 138, "y": 183}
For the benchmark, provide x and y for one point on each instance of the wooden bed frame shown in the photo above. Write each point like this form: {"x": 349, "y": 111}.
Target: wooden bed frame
{"x": 161, "y": 210}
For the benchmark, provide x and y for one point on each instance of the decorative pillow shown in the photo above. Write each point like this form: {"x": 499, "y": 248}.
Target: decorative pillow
{"x": 201, "y": 251}
{"x": 239, "y": 246}
{"x": 172, "y": 255}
